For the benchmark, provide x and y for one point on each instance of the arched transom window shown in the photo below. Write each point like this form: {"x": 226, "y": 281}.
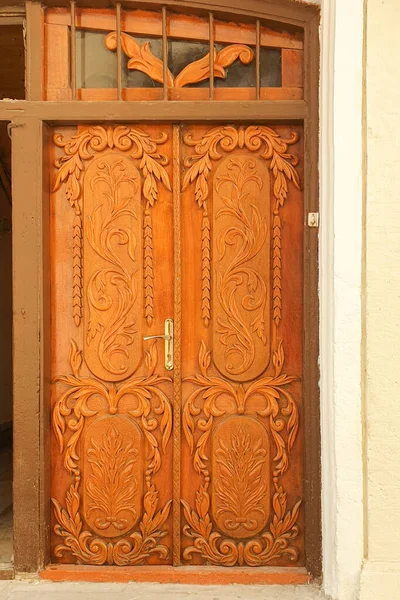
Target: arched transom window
{"x": 167, "y": 54}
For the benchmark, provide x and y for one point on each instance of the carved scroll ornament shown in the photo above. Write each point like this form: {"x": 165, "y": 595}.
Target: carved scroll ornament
{"x": 139, "y": 146}
{"x": 270, "y": 146}
{"x": 142, "y": 59}
{"x": 113, "y": 320}
{"x": 213, "y": 398}
{"x": 71, "y": 410}
{"x": 241, "y": 223}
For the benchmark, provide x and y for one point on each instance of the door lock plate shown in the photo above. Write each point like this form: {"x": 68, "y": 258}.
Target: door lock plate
{"x": 168, "y": 338}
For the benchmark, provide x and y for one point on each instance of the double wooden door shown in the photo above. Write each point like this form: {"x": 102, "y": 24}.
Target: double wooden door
{"x": 186, "y": 448}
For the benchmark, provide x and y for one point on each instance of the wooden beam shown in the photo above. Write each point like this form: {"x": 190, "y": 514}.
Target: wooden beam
{"x": 28, "y": 369}
{"x": 70, "y": 112}
{"x": 311, "y": 392}
{"x": 284, "y": 11}
{"x": 34, "y": 51}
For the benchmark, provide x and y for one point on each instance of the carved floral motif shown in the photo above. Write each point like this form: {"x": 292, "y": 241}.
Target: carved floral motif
{"x": 270, "y": 146}
{"x": 240, "y": 487}
{"x": 111, "y": 276}
{"x": 245, "y": 231}
{"x": 142, "y": 59}
{"x": 276, "y": 404}
{"x": 81, "y": 147}
{"x": 70, "y": 412}
{"x": 112, "y": 485}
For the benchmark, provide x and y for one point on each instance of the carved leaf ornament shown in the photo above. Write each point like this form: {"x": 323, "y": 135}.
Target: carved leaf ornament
{"x": 276, "y": 404}
{"x": 69, "y": 416}
{"x": 274, "y": 149}
{"x": 112, "y": 485}
{"x": 240, "y": 488}
{"x": 142, "y": 59}
{"x": 81, "y": 147}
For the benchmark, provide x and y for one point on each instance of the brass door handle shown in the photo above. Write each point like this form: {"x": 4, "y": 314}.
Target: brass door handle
{"x": 168, "y": 338}
{"x": 160, "y": 337}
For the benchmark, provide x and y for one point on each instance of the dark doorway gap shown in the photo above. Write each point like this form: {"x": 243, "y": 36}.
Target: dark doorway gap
{"x": 12, "y": 85}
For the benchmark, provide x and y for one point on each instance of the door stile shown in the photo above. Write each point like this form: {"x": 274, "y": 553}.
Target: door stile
{"x": 30, "y": 332}
{"x": 176, "y": 190}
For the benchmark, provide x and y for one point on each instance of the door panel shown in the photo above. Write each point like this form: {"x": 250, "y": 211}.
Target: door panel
{"x": 242, "y": 343}
{"x": 112, "y": 255}
{"x": 234, "y": 467}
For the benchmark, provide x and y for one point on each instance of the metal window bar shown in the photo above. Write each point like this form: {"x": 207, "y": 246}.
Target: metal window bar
{"x": 73, "y": 49}
{"x": 165, "y": 53}
{"x": 119, "y": 51}
{"x": 211, "y": 40}
{"x": 258, "y": 53}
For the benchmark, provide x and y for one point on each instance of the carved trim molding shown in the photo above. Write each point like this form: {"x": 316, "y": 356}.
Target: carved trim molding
{"x": 142, "y": 59}
{"x": 277, "y": 405}
{"x": 271, "y": 147}
{"x": 81, "y": 147}
{"x": 69, "y": 416}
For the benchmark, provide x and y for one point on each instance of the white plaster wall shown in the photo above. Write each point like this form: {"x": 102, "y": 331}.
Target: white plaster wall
{"x": 341, "y": 171}
{"x": 381, "y": 573}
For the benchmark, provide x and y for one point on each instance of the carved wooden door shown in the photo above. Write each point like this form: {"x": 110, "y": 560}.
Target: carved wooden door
{"x": 200, "y": 464}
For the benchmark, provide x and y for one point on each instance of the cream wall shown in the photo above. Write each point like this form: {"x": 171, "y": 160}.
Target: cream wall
{"x": 381, "y": 573}
{"x": 341, "y": 204}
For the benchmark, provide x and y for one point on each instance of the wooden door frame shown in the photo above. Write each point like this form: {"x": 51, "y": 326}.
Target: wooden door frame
{"x": 30, "y": 121}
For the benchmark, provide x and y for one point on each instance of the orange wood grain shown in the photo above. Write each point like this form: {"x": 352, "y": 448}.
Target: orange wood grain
{"x": 188, "y": 575}
{"x": 56, "y": 67}
{"x": 104, "y": 94}
{"x": 292, "y": 68}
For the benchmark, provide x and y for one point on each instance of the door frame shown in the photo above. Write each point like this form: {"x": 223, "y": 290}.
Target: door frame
{"x": 31, "y": 120}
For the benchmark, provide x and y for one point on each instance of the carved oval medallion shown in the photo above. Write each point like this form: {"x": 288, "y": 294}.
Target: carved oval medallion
{"x": 241, "y": 250}
{"x": 113, "y": 475}
{"x": 112, "y": 257}
{"x": 240, "y": 467}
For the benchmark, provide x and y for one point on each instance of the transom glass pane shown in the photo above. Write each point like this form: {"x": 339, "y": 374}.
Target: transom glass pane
{"x": 96, "y": 66}
{"x": 271, "y": 67}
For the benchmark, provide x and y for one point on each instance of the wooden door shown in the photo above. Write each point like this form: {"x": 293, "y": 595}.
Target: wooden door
{"x": 202, "y": 464}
